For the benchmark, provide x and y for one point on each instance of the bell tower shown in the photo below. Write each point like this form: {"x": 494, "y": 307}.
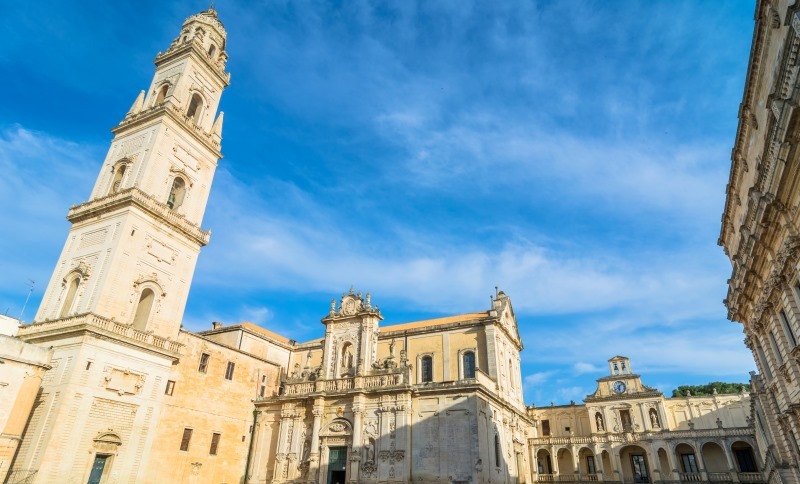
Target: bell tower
{"x": 130, "y": 254}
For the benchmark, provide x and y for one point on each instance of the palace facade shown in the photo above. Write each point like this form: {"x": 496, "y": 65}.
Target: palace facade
{"x": 105, "y": 386}
{"x": 761, "y": 233}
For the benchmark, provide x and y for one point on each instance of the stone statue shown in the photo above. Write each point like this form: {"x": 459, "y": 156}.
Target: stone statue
{"x": 653, "y": 419}
{"x": 296, "y": 372}
{"x": 391, "y": 349}
{"x": 599, "y": 420}
{"x": 369, "y": 450}
{"x": 347, "y": 358}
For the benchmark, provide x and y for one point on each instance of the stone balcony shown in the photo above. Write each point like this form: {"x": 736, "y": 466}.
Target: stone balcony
{"x": 377, "y": 381}
{"x": 144, "y": 201}
{"x": 741, "y": 477}
{"x": 602, "y": 438}
{"x": 108, "y": 328}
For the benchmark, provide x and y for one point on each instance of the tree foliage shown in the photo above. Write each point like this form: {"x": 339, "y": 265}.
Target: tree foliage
{"x": 708, "y": 389}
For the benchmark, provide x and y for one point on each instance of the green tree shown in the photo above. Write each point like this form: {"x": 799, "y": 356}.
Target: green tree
{"x": 708, "y": 388}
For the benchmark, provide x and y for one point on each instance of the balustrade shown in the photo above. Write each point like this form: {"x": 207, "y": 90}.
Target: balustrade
{"x": 99, "y": 322}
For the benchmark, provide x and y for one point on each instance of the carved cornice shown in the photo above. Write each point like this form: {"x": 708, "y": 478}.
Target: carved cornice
{"x": 134, "y": 196}
{"x": 176, "y": 114}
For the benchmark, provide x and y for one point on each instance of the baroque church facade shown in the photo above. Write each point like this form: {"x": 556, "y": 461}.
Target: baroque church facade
{"x": 107, "y": 387}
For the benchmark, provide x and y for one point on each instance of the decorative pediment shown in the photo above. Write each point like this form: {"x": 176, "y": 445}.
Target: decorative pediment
{"x": 339, "y": 426}
{"x": 352, "y": 304}
{"x": 81, "y": 270}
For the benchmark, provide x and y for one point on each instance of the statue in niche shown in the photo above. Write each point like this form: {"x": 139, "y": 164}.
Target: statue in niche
{"x": 599, "y": 421}
{"x": 347, "y": 358}
{"x": 369, "y": 450}
{"x": 654, "y": 418}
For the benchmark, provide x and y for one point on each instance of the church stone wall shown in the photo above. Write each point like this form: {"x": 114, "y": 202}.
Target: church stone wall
{"x": 229, "y": 413}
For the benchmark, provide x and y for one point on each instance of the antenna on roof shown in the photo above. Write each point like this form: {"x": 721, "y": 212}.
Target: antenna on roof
{"x": 30, "y": 290}
{"x": 496, "y": 294}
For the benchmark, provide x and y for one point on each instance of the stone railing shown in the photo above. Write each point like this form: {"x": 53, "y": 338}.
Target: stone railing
{"x": 744, "y": 477}
{"x": 368, "y": 382}
{"x": 145, "y": 201}
{"x": 176, "y": 113}
{"x": 94, "y": 322}
{"x": 593, "y": 477}
{"x": 720, "y": 477}
{"x": 639, "y": 436}
{"x": 750, "y": 477}
{"x": 197, "y": 45}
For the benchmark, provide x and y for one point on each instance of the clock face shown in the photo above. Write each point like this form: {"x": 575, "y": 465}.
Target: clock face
{"x": 619, "y": 386}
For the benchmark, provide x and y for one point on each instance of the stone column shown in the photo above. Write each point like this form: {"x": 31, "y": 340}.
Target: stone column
{"x": 283, "y": 445}
{"x": 729, "y": 458}
{"x": 576, "y": 460}
{"x": 554, "y": 460}
{"x": 598, "y": 463}
{"x": 673, "y": 466}
{"x": 355, "y": 458}
{"x": 617, "y": 465}
{"x": 313, "y": 457}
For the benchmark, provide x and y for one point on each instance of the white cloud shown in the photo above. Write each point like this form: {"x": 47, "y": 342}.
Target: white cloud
{"x": 583, "y": 367}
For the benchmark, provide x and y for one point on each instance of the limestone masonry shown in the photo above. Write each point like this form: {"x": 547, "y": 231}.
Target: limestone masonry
{"x": 104, "y": 386}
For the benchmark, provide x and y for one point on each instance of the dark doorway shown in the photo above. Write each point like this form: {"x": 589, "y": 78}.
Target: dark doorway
{"x": 337, "y": 465}
{"x": 98, "y": 467}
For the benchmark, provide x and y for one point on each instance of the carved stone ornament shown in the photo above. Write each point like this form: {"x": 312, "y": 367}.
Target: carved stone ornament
{"x": 123, "y": 382}
{"x": 337, "y": 427}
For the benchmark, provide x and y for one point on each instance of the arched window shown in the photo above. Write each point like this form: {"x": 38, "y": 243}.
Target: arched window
{"x": 498, "y": 455}
{"x": 177, "y": 193}
{"x": 69, "y": 299}
{"x": 468, "y": 362}
{"x": 162, "y": 94}
{"x": 212, "y": 51}
{"x": 143, "y": 309}
{"x": 119, "y": 173}
{"x": 426, "y": 369}
{"x": 195, "y": 106}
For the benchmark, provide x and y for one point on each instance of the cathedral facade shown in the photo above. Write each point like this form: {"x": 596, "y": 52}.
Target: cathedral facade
{"x": 109, "y": 388}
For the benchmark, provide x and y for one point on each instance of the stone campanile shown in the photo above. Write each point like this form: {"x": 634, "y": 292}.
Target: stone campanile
{"x": 132, "y": 249}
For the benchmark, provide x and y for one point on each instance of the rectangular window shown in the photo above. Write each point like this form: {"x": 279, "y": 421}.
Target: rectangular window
{"x": 590, "y": 464}
{"x": 775, "y": 348}
{"x": 170, "y": 387}
{"x": 427, "y": 369}
{"x": 764, "y": 363}
{"x": 214, "y": 444}
{"x": 229, "y": 371}
{"x": 545, "y": 428}
{"x": 187, "y": 436}
{"x": 203, "y": 367}
{"x": 787, "y": 328}
{"x": 263, "y": 390}
{"x": 689, "y": 463}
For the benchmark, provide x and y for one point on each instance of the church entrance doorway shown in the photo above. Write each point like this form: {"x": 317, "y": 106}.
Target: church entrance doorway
{"x": 337, "y": 465}
{"x": 98, "y": 468}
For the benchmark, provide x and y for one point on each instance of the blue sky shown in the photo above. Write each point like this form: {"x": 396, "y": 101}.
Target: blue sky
{"x": 575, "y": 154}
